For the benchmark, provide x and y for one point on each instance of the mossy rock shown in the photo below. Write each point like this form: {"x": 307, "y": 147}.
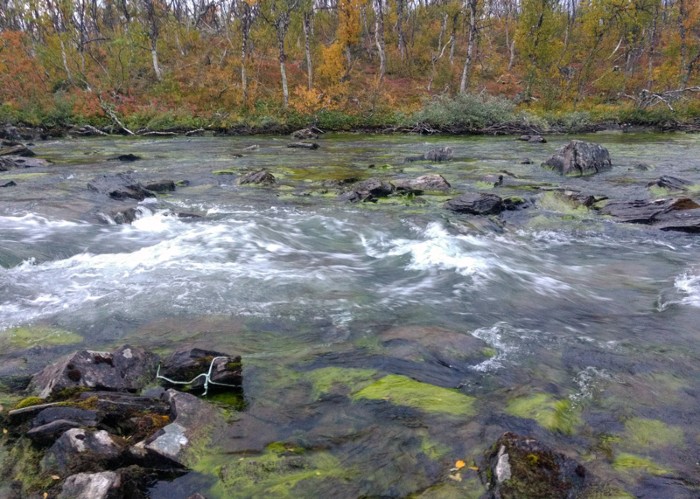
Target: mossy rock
{"x": 550, "y": 413}
{"x": 333, "y": 379}
{"x": 24, "y": 337}
{"x": 650, "y": 434}
{"x": 401, "y": 390}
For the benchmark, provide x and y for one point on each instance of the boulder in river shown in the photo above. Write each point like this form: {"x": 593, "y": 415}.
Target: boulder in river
{"x": 303, "y": 145}
{"x": 11, "y": 162}
{"x": 259, "y": 177}
{"x": 430, "y": 182}
{"x": 579, "y": 158}
{"x": 11, "y": 183}
{"x": 309, "y": 133}
{"x": 17, "y": 150}
{"x": 476, "y": 203}
{"x": 161, "y": 186}
{"x": 535, "y": 139}
{"x": 523, "y": 467}
{"x": 368, "y": 190}
{"x": 119, "y": 186}
{"x": 437, "y": 154}
{"x": 125, "y": 369}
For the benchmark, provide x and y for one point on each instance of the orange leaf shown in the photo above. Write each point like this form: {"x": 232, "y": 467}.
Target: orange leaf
{"x": 460, "y": 464}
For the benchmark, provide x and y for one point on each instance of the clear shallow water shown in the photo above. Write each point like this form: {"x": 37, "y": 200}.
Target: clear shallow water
{"x": 568, "y": 307}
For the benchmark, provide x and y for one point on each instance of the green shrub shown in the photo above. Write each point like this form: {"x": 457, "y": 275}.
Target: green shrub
{"x": 466, "y": 113}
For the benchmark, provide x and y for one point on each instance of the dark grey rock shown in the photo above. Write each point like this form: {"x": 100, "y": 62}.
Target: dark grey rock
{"x": 119, "y": 186}
{"x": 17, "y": 150}
{"x": 161, "y": 186}
{"x": 437, "y": 154}
{"x": 310, "y": 133}
{"x": 430, "y": 182}
{"x": 535, "y": 138}
{"x": 523, "y": 467}
{"x": 579, "y": 158}
{"x": 186, "y": 365}
{"x": 126, "y": 158}
{"x": 79, "y": 450}
{"x": 476, "y": 203}
{"x": 259, "y": 177}
{"x": 103, "y": 485}
{"x": 649, "y": 212}
{"x": 12, "y": 162}
{"x": 526, "y": 161}
{"x": 49, "y": 432}
{"x": 303, "y": 145}
{"x": 671, "y": 183}
{"x": 368, "y": 190}
{"x": 126, "y": 369}
{"x": 11, "y": 183}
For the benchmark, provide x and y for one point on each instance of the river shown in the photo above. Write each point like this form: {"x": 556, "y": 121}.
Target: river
{"x": 358, "y": 323}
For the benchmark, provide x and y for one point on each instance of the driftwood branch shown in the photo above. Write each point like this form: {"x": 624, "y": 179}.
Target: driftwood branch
{"x": 109, "y": 111}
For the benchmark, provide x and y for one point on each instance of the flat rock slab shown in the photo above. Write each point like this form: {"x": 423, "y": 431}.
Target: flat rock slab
{"x": 666, "y": 212}
{"x": 12, "y": 162}
{"x": 125, "y": 369}
{"x": 80, "y": 450}
{"x": 103, "y": 485}
{"x": 476, "y": 203}
{"x": 430, "y": 182}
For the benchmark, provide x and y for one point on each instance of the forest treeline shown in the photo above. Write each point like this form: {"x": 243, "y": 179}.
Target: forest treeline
{"x": 339, "y": 63}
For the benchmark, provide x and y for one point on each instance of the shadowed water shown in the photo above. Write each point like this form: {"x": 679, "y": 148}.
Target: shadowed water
{"x": 560, "y": 324}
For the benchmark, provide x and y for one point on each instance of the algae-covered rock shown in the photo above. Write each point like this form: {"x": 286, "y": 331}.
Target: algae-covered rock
{"x": 550, "y": 413}
{"x": 521, "y": 467}
{"x": 24, "y": 337}
{"x": 401, "y": 390}
{"x": 651, "y": 434}
{"x": 637, "y": 464}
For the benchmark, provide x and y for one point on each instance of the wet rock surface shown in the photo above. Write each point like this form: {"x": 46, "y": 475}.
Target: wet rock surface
{"x": 579, "y": 158}
{"x": 115, "y": 443}
{"x": 125, "y": 369}
{"x": 190, "y": 364}
{"x": 430, "y": 182}
{"x": 119, "y": 186}
{"x": 521, "y": 466}
{"x": 476, "y": 203}
{"x": 260, "y": 177}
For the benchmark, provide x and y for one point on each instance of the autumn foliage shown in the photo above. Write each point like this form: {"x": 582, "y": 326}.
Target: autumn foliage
{"x": 166, "y": 63}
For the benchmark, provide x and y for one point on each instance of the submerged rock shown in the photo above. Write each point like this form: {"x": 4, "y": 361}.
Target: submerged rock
{"x": 11, "y": 183}
{"x": 119, "y": 186}
{"x": 579, "y": 158}
{"x": 260, "y": 177}
{"x": 17, "y": 150}
{"x": 535, "y": 139}
{"x": 161, "y": 186}
{"x": 523, "y": 467}
{"x": 126, "y": 369}
{"x": 11, "y": 162}
{"x": 127, "y": 158}
{"x": 476, "y": 203}
{"x": 303, "y": 145}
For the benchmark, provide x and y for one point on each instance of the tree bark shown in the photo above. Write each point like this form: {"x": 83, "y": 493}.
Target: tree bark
{"x": 379, "y": 37}
{"x": 400, "y": 8}
{"x": 471, "y": 47}
{"x": 282, "y": 26}
{"x": 307, "y": 47}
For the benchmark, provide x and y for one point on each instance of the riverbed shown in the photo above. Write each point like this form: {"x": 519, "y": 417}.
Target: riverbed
{"x": 381, "y": 342}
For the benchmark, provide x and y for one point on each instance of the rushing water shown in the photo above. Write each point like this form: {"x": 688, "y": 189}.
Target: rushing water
{"x": 583, "y": 332}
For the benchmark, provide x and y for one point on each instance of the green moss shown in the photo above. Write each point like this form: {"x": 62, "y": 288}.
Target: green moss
{"x": 21, "y": 463}
{"x": 21, "y": 338}
{"x": 632, "y": 462}
{"x": 23, "y": 176}
{"x": 555, "y": 415}
{"x": 489, "y": 352}
{"x": 434, "y": 450}
{"x": 328, "y": 378}
{"x": 275, "y": 473}
{"x": 401, "y": 390}
{"x": 650, "y": 434}
{"x": 227, "y": 171}
{"x": 554, "y": 201}
{"x": 29, "y": 401}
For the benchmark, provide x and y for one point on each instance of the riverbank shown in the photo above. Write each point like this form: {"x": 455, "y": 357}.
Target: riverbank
{"x": 459, "y": 115}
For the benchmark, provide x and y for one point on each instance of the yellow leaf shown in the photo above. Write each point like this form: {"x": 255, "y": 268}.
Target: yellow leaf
{"x": 473, "y": 468}
{"x": 55, "y": 477}
{"x": 460, "y": 464}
